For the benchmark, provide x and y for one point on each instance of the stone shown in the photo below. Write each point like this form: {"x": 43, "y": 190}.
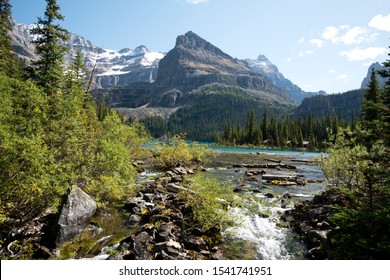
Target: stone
{"x": 173, "y": 244}
{"x": 165, "y": 232}
{"x": 134, "y": 218}
{"x": 180, "y": 171}
{"x": 159, "y": 218}
{"x": 135, "y": 205}
{"x": 140, "y": 246}
{"x": 320, "y": 235}
{"x": 193, "y": 242}
{"x": 218, "y": 256}
{"x": 176, "y": 188}
{"x": 269, "y": 195}
{"x": 76, "y": 211}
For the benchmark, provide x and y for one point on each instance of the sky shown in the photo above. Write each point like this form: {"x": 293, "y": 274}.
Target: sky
{"x": 317, "y": 44}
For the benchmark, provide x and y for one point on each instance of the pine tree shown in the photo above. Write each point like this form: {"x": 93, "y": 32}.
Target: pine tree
{"x": 385, "y": 73}
{"x": 48, "y": 70}
{"x": 372, "y": 110}
{"x": 6, "y": 55}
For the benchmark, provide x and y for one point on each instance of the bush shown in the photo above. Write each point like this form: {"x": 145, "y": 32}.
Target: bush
{"x": 180, "y": 153}
{"x": 209, "y": 201}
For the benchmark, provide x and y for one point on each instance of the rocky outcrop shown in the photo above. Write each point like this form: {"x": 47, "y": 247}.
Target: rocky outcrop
{"x": 374, "y": 67}
{"x": 167, "y": 229}
{"x": 75, "y": 214}
{"x": 311, "y": 221}
{"x": 187, "y": 69}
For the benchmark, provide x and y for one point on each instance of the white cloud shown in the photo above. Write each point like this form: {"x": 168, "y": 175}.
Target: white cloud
{"x": 330, "y": 33}
{"x": 302, "y": 40}
{"x": 303, "y": 53}
{"x": 359, "y": 54}
{"x": 317, "y": 42}
{"x": 332, "y": 71}
{"x": 289, "y": 59}
{"x": 346, "y": 35}
{"x": 380, "y": 22}
{"x": 355, "y": 35}
{"x": 197, "y": 1}
{"x": 342, "y": 77}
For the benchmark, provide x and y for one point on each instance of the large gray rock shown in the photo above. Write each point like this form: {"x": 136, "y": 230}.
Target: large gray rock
{"x": 76, "y": 212}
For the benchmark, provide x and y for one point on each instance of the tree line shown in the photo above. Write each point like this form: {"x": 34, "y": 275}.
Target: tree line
{"x": 308, "y": 132}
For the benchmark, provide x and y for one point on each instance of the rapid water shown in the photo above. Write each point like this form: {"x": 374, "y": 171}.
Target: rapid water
{"x": 262, "y": 231}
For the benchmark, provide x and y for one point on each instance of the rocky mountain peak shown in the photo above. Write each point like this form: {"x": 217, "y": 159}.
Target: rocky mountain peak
{"x": 191, "y": 41}
{"x": 140, "y": 50}
{"x": 377, "y": 67}
{"x": 262, "y": 57}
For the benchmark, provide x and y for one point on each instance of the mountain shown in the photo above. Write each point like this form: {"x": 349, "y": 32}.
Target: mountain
{"x": 113, "y": 67}
{"x": 200, "y": 88}
{"x": 264, "y": 67}
{"x": 342, "y": 104}
{"x": 377, "y": 67}
{"x": 126, "y": 66}
{"x": 194, "y": 66}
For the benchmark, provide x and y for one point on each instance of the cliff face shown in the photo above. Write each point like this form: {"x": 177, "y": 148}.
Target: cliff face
{"x": 377, "y": 67}
{"x": 194, "y": 62}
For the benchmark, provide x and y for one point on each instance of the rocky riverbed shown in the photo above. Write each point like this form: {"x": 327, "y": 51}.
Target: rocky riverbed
{"x": 154, "y": 223}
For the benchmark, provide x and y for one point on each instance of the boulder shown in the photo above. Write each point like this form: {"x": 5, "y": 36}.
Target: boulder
{"x": 176, "y": 188}
{"x": 76, "y": 211}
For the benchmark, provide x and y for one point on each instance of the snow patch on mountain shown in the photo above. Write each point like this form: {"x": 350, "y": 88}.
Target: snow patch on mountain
{"x": 112, "y": 67}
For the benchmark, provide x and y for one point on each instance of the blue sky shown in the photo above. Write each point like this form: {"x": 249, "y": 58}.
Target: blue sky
{"x": 317, "y": 44}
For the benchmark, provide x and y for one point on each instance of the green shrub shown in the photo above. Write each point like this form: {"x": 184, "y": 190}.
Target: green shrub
{"x": 209, "y": 200}
{"x": 180, "y": 153}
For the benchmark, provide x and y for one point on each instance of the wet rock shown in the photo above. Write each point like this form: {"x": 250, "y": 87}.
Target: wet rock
{"x": 269, "y": 195}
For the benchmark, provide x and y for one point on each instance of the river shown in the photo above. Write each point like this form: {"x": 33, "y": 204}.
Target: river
{"x": 263, "y": 231}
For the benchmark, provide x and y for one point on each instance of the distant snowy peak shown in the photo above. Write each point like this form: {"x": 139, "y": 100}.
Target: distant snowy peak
{"x": 262, "y": 65}
{"x": 113, "y": 62}
{"x": 113, "y": 67}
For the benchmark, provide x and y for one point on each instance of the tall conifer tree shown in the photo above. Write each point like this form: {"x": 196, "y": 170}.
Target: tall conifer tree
{"x": 48, "y": 70}
{"x": 6, "y": 55}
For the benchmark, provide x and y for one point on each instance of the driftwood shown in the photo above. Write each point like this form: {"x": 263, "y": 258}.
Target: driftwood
{"x": 302, "y": 160}
{"x": 264, "y": 165}
{"x": 273, "y": 160}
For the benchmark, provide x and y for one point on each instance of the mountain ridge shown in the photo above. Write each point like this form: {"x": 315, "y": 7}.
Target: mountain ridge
{"x": 112, "y": 67}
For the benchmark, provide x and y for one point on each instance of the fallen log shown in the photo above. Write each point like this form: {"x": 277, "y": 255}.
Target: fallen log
{"x": 302, "y": 160}
{"x": 264, "y": 165}
{"x": 273, "y": 160}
